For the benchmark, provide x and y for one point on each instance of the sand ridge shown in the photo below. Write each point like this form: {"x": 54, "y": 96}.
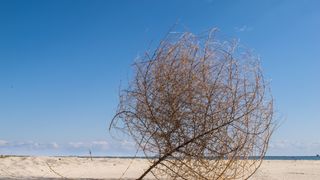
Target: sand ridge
{"x": 29, "y": 167}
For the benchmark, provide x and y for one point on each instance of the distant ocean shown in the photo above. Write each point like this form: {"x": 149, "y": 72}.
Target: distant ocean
{"x": 292, "y": 158}
{"x": 142, "y": 157}
{"x": 265, "y": 158}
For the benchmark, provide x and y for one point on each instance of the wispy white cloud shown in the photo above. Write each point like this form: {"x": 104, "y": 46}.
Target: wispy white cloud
{"x": 98, "y": 145}
{"x": 3, "y": 142}
{"x": 286, "y": 147}
{"x": 55, "y": 145}
{"x": 101, "y": 145}
{"x": 243, "y": 28}
{"x": 128, "y": 148}
{"x": 28, "y": 145}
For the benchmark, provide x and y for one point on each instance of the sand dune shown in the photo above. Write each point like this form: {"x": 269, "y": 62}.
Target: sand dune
{"x": 113, "y": 168}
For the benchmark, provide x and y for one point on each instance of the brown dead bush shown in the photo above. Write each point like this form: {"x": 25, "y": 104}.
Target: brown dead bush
{"x": 200, "y": 106}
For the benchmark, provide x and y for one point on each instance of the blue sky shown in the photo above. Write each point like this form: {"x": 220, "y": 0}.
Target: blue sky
{"x": 61, "y": 64}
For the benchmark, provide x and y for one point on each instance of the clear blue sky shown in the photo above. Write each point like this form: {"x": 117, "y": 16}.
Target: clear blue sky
{"x": 61, "y": 64}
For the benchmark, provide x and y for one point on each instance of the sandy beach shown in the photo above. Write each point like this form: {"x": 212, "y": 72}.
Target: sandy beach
{"x": 113, "y": 168}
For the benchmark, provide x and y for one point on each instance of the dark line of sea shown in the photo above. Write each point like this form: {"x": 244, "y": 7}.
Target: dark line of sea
{"x": 140, "y": 157}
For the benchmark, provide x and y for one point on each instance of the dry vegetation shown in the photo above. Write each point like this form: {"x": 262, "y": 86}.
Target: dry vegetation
{"x": 201, "y": 106}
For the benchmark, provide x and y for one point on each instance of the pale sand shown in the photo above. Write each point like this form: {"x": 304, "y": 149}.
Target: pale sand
{"x": 112, "y": 168}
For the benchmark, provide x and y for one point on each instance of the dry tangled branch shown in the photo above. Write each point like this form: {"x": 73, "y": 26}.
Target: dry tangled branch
{"x": 201, "y": 107}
